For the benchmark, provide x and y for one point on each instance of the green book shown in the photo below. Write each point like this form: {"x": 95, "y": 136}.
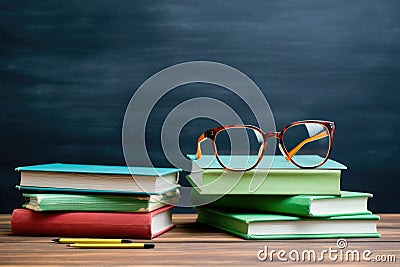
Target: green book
{"x": 347, "y": 203}
{"x": 271, "y": 226}
{"x": 282, "y": 178}
{"x": 93, "y": 202}
{"x": 100, "y": 177}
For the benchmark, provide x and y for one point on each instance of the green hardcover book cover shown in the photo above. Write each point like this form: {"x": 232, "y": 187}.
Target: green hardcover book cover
{"x": 272, "y": 182}
{"x": 93, "y": 202}
{"x": 283, "y": 178}
{"x": 301, "y": 205}
{"x": 272, "y": 226}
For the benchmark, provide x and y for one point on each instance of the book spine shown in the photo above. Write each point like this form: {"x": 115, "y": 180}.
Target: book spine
{"x": 87, "y": 203}
{"x": 260, "y": 203}
{"x": 81, "y": 224}
{"x": 292, "y": 205}
{"x": 314, "y": 182}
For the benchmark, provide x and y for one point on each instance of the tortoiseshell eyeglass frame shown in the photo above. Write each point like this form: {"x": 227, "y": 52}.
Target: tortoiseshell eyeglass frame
{"x": 329, "y": 126}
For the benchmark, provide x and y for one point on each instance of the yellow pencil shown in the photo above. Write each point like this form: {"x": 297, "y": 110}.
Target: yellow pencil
{"x": 111, "y": 245}
{"x": 64, "y": 240}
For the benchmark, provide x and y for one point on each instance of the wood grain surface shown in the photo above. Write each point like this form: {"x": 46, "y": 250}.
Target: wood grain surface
{"x": 189, "y": 244}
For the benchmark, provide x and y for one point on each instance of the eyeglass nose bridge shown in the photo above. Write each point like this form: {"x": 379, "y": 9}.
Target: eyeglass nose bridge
{"x": 276, "y": 135}
{"x": 271, "y": 135}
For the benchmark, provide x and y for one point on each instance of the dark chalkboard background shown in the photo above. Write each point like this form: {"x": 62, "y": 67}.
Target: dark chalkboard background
{"x": 69, "y": 68}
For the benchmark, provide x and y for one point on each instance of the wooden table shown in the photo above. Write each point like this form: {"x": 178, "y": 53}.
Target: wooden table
{"x": 189, "y": 244}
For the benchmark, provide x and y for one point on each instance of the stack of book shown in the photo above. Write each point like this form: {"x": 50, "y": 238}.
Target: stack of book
{"x": 95, "y": 201}
{"x": 283, "y": 202}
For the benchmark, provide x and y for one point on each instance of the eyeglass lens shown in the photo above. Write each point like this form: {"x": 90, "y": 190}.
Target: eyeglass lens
{"x": 307, "y": 139}
{"x": 239, "y": 147}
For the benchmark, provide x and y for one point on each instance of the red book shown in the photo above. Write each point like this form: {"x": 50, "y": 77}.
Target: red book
{"x": 92, "y": 224}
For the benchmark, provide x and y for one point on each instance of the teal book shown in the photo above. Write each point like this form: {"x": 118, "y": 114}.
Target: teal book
{"x": 99, "y": 177}
{"x": 348, "y": 203}
{"x": 272, "y": 226}
{"x": 93, "y": 202}
{"x": 281, "y": 178}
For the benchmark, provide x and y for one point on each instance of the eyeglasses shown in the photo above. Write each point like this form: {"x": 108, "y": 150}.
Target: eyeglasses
{"x": 307, "y": 144}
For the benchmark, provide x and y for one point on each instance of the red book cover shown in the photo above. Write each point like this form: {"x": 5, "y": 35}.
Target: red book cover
{"x": 92, "y": 224}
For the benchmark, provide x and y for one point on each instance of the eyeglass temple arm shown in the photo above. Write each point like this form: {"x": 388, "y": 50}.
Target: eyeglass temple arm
{"x": 198, "y": 151}
{"x": 305, "y": 141}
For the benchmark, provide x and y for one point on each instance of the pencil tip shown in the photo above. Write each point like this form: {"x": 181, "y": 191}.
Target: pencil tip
{"x": 55, "y": 240}
{"x": 126, "y": 241}
{"x": 149, "y": 246}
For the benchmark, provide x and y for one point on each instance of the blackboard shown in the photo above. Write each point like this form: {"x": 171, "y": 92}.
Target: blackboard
{"x": 68, "y": 70}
